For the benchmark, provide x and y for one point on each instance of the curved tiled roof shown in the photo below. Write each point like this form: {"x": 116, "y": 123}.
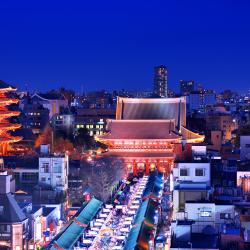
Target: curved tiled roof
{"x": 141, "y": 129}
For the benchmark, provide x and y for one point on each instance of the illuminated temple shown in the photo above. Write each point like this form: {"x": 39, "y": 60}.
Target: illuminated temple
{"x": 5, "y": 125}
{"x": 147, "y": 132}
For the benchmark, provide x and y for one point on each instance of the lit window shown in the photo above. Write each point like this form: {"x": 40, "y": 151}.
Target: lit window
{"x": 101, "y": 126}
{"x": 87, "y": 126}
{"x": 205, "y": 214}
{"x": 97, "y": 126}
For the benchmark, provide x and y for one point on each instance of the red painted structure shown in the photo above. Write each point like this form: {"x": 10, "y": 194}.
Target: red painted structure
{"x": 146, "y": 144}
{"x": 5, "y": 126}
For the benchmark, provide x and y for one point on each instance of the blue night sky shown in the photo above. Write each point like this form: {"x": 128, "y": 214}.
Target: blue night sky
{"x": 115, "y": 44}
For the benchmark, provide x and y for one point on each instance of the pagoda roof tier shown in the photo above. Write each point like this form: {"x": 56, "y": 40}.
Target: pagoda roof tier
{"x": 7, "y": 101}
{"x": 9, "y": 126}
{"x": 6, "y": 86}
{"x": 10, "y": 139}
{"x": 8, "y": 113}
{"x": 7, "y": 89}
{"x": 140, "y": 130}
{"x": 145, "y": 154}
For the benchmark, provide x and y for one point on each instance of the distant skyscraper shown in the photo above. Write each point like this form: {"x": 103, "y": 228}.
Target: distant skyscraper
{"x": 160, "y": 81}
{"x": 186, "y": 87}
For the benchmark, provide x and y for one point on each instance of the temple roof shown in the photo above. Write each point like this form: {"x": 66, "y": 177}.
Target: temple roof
{"x": 141, "y": 129}
{"x": 137, "y": 154}
{"x": 152, "y": 109}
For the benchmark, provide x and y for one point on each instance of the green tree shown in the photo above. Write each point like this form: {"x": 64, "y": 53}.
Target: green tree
{"x": 83, "y": 139}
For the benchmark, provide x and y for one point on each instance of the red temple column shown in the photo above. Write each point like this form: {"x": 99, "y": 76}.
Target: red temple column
{"x": 134, "y": 168}
{"x": 158, "y": 166}
{"x": 147, "y": 167}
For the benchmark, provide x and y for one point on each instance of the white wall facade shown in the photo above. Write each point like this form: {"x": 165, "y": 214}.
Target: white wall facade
{"x": 209, "y": 214}
{"x": 192, "y": 171}
{"x": 54, "y": 171}
{"x": 245, "y": 147}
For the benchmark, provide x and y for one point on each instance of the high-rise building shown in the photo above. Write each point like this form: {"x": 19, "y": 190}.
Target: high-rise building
{"x": 186, "y": 87}
{"x": 160, "y": 81}
{"x": 199, "y": 100}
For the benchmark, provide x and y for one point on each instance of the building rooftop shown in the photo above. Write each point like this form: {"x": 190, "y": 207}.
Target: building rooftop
{"x": 151, "y": 109}
{"x": 199, "y": 241}
{"x": 50, "y": 96}
{"x": 203, "y": 160}
{"x": 26, "y": 162}
{"x": 10, "y": 212}
{"x": 69, "y": 235}
{"x": 47, "y": 210}
{"x": 141, "y": 129}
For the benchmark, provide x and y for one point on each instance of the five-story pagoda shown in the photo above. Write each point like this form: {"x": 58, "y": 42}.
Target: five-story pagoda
{"x": 6, "y": 139}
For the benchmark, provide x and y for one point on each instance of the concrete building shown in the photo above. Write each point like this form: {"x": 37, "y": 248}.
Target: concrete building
{"x": 13, "y": 222}
{"x": 220, "y": 121}
{"x": 199, "y": 100}
{"x": 64, "y": 122}
{"x": 94, "y": 120}
{"x": 24, "y": 169}
{"x": 201, "y": 226}
{"x": 52, "y": 101}
{"x": 191, "y": 181}
{"x": 34, "y": 215}
{"x": 34, "y": 116}
{"x": 186, "y": 87}
{"x": 53, "y": 171}
{"x": 245, "y": 147}
{"x": 160, "y": 81}
{"x": 209, "y": 214}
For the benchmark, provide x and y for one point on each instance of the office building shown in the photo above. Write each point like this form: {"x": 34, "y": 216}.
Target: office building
{"x": 200, "y": 100}
{"x": 186, "y": 87}
{"x": 245, "y": 147}
{"x": 160, "y": 81}
{"x": 13, "y": 222}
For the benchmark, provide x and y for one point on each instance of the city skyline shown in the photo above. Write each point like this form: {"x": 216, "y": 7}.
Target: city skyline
{"x": 112, "y": 45}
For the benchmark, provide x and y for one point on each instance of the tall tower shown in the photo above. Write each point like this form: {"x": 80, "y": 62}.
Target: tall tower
{"x": 160, "y": 81}
{"x": 5, "y": 125}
